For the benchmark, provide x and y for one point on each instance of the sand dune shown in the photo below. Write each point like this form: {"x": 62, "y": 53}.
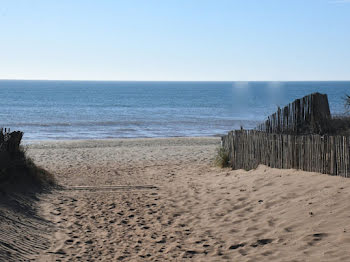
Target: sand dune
{"x": 174, "y": 205}
{"x": 23, "y": 234}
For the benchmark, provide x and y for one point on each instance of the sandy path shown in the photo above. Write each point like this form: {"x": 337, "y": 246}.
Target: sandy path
{"x": 198, "y": 212}
{"x": 23, "y": 234}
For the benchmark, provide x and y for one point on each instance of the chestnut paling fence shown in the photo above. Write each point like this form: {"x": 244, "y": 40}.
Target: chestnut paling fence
{"x": 287, "y": 139}
{"x": 324, "y": 154}
{"x": 10, "y": 141}
{"x": 306, "y": 115}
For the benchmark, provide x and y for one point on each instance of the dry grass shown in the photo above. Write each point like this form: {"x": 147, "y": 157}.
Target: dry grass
{"x": 222, "y": 158}
{"x": 347, "y": 102}
{"x": 339, "y": 125}
{"x": 17, "y": 171}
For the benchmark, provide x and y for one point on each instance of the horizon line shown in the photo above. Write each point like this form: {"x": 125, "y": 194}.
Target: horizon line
{"x": 90, "y": 80}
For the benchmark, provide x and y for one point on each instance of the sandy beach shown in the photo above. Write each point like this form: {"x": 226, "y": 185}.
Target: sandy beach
{"x": 165, "y": 200}
{"x": 160, "y": 131}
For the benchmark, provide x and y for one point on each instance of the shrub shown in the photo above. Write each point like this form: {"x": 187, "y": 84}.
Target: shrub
{"x": 339, "y": 125}
{"x": 16, "y": 169}
{"x": 222, "y": 157}
{"x": 347, "y": 101}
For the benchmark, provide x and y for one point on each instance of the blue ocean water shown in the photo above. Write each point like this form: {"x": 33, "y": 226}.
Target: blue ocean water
{"x": 96, "y": 110}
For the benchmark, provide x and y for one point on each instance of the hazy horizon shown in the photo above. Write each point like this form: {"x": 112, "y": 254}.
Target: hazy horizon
{"x": 237, "y": 81}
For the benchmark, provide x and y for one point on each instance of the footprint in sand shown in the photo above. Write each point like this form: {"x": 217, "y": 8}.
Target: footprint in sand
{"x": 262, "y": 242}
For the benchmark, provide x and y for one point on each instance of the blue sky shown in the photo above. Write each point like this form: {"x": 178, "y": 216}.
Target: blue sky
{"x": 236, "y": 40}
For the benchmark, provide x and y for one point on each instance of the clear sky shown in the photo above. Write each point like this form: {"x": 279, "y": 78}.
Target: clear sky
{"x": 175, "y": 40}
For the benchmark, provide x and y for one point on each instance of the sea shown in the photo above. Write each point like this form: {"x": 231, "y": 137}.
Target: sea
{"x": 56, "y": 110}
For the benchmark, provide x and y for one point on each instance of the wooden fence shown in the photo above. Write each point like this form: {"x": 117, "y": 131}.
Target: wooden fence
{"x": 9, "y": 141}
{"x": 324, "y": 154}
{"x": 307, "y": 115}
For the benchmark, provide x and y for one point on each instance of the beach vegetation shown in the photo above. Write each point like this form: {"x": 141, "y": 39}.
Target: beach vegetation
{"x": 222, "y": 158}
{"x": 340, "y": 124}
{"x": 347, "y": 103}
{"x": 17, "y": 170}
